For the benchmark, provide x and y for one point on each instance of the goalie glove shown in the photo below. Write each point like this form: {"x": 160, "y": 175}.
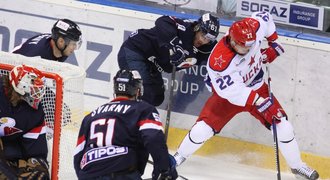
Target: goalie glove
{"x": 274, "y": 50}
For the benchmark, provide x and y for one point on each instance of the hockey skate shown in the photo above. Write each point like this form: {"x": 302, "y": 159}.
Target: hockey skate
{"x": 305, "y": 172}
{"x": 179, "y": 159}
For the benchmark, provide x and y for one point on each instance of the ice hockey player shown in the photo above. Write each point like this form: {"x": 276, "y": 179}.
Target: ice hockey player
{"x": 116, "y": 138}
{"x": 57, "y": 46}
{"x": 236, "y": 76}
{"x": 23, "y": 145}
{"x": 172, "y": 41}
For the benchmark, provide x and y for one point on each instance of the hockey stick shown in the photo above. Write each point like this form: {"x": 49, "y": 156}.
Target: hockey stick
{"x": 168, "y": 115}
{"x": 170, "y": 101}
{"x": 152, "y": 163}
{"x": 274, "y": 129}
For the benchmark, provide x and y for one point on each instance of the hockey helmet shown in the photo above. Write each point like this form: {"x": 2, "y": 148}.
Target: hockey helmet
{"x": 127, "y": 82}
{"x": 242, "y": 33}
{"x": 68, "y": 30}
{"x": 28, "y": 82}
{"x": 209, "y": 25}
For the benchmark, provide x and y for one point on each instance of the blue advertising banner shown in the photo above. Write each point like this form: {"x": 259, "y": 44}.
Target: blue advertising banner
{"x": 306, "y": 16}
{"x": 190, "y": 93}
{"x": 297, "y": 14}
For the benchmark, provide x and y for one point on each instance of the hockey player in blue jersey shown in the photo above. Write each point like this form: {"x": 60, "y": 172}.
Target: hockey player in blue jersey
{"x": 172, "y": 41}
{"x": 57, "y": 46}
{"x": 116, "y": 138}
{"x": 23, "y": 147}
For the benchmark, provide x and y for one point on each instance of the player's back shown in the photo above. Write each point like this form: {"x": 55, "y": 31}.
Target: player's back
{"x": 38, "y": 46}
{"x": 114, "y": 138}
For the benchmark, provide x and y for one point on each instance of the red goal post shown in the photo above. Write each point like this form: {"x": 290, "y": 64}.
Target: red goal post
{"x": 63, "y": 106}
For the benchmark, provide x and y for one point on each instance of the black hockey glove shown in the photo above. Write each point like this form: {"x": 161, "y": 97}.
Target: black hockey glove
{"x": 177, "y": 53}
{"x": 170, "y": 174}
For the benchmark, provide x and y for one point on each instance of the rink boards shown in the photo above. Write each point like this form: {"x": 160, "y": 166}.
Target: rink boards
{"x": 300, "y": 77}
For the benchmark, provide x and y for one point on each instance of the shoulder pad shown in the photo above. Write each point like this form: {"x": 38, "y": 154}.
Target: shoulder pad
{"x": 254, "y": 23}
{"x": 221, "y": 56}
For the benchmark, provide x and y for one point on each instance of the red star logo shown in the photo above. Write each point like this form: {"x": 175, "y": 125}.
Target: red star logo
{"x": 219, "y": 61}
{"x": 251, "y": 62}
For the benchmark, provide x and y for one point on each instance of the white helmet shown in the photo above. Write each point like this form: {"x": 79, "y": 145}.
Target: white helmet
{"x": 28, "y": 82}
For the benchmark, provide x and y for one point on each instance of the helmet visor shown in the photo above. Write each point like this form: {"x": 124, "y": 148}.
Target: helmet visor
{"x": 74, "y": 44}
{"x": 209, "y": 36}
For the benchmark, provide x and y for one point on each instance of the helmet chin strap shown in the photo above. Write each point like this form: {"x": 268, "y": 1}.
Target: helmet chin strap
{"x": 61, "y": 50}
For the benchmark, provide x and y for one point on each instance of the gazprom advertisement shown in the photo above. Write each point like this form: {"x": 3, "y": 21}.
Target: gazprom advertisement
{"x": 297, "y": 14}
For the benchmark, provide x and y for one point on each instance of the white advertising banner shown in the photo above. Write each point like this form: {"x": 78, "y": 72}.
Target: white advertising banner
{"x": 103, "y": 34}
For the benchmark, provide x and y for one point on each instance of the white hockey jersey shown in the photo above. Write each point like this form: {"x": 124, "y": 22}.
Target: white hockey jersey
{"x": 233, "y": 76}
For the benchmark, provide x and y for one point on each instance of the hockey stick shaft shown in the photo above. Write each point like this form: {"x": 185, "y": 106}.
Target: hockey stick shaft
{"x": 277, "y": 158}
{"x": 170, "y": 102}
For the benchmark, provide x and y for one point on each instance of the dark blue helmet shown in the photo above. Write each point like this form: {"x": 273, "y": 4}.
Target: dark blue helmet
{"x": 209, "y": 25}
{"x": 127, "y": 83}
{"x": 66, "y": 29}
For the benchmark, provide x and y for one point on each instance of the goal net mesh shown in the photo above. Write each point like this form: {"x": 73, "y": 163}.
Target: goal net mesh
{"x": 70, "y": 80}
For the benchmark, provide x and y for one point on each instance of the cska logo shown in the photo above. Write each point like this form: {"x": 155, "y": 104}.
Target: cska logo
{"x": 251, "y": 62}
{"x": 218, "y": 61}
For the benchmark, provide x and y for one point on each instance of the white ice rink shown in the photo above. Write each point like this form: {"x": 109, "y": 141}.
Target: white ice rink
{"x": 203, "y": 168}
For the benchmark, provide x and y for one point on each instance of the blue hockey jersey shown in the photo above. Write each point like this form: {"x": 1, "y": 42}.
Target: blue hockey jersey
{"x": 119, "y": 135}
{"x": 155, "y": 42}
{"x": 22, "y": 129}
{"x": 38, "y": 46}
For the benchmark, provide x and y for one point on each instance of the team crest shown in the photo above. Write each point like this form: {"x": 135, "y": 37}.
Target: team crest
{"x": 218, "y": 61}
{"x": 7, "y": 126}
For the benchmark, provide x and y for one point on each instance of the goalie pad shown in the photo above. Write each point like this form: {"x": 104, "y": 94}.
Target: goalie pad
{"x": 33, "y": 168}
{"x": 6, "y": 172}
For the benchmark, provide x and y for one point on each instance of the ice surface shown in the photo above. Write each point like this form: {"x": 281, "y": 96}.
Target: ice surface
{"x": 219, "y": 168}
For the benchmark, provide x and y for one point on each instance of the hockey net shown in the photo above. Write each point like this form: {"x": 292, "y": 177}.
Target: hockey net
{"x": 63, "y": 106}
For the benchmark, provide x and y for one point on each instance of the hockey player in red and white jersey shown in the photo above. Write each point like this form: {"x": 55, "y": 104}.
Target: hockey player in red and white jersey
{"x": 236, "y": 77}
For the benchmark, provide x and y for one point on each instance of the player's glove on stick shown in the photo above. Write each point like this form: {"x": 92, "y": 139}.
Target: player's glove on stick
{"x": 269, "y": 110}
{"x": 274, "y": 50}
{"x": 170, "y": 174}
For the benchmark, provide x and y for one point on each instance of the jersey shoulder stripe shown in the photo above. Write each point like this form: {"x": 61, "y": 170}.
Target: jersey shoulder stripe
{"x": 35, "y": 132}
{"x": 221, "y": 56}
{"x": 80, "y": 144}
{"x": 150, "y": 124}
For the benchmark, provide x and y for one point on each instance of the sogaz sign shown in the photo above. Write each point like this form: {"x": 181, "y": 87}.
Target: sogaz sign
{"x": 296, "y": 14}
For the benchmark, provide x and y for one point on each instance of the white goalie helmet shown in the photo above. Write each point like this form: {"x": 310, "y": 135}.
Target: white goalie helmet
{"x": 28, "y": 82}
